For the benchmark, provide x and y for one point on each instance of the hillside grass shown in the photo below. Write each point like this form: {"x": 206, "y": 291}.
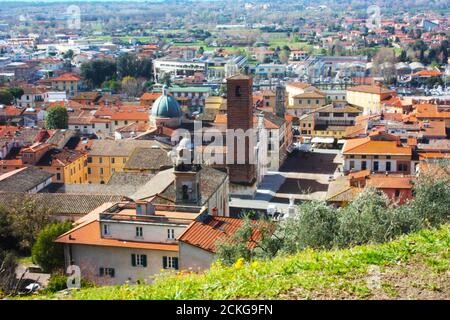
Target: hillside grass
{"x": 415, "y": 266}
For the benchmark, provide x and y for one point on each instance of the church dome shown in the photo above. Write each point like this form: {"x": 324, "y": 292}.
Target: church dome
{"x": 166, "y": 106}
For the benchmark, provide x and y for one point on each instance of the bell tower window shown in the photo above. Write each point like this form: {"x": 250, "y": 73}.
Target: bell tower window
{"x": 237, "y": 91}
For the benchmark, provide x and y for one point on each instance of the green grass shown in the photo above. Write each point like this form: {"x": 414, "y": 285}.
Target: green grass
{"x": 25, "y": 260}
{"x": 308, "y": 274}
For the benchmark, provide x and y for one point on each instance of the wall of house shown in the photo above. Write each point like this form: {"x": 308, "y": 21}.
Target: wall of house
{"x": 194, "y": 258}
{"x": 91, "y": 258}
{"x": 382, "y": 160}
{"x": 150, "y": 232}
{"x": 109, "y": 166}
{"x": 404, "y": 194}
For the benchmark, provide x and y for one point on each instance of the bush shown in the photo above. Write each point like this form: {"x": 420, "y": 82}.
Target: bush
{"x": 46, "y": 253}
{"x": 8, "y": 266}
{"x": 58, "y": 282}
{"x": 315, "y": 226}
{"x": 366, "y": 219}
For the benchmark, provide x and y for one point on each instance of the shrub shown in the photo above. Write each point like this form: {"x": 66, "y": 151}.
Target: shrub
{"x": 46, "y": 253}
{"x": 58, "y": 282}
{"x": 315, "y": 226}
{"x": 8, "y": 266}
{"x": 366, "y": 219}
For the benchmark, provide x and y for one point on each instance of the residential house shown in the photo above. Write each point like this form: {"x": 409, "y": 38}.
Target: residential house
{"x": 68, "y": 82}
{"x": 27, "y": 179}
{"x": 369, "y": 97}
{"x": 379, "y": 152}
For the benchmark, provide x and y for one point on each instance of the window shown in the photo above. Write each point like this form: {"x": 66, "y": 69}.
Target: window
{"x": 184, "y": 190}
{"x": 402, "y": 167}
{"x": 363, "y": 165}
{"x": 100, "y": 160}
{"x": 89, "y": 159}
{"x": 139, "y": 260}
{"x": 139, "y": 232}
{"x": 352, "y": 165}
{"x": 104, "y": 272}
{"x": 89, "y": 171}
{"x": 113, "y": 160}
{"x": 237, "y": 91}
{"x": 375, "y": 166}
{"x": 170, "y": 234}
{"x": 397, "y": 193}
{"x": 106, "y": 230}
{"x": 58, "y": 176}
{"x": 352, "y": 156}
{"x": 388, "y": 166}
{"x": 101, "y": 170}
{"x": 170, "y": 263}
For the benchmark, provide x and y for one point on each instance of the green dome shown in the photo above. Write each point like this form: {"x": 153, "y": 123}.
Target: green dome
{"x": 166, "y": 106}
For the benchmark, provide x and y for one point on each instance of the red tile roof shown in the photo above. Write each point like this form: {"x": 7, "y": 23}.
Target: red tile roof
{"x": 205, "y": 234}
{"x": 67, "y": 77}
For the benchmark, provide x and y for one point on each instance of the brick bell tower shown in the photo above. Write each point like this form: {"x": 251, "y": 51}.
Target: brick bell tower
{"x": 240, "y": 116}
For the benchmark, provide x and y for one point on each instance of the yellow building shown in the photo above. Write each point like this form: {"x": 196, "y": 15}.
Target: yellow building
{"x": 68, "y": 166}
{"x": 108, "y": 156}
{"x": 68, "y": 82}
{"x": 369, "y": 97}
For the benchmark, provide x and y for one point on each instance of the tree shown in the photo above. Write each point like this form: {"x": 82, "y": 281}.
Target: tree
{"x": 16, "y": 92}
{"x": 384, "y": 64}
{"x": 8, "y": 266}
{"x": 68, "y": 54}
{"x": 284, "y": 56}
{"x": 98, "y": 71}
{"x": 133, "y": 87}
{"x": 403, "y": 56}
{"x": 57, "y": 118}
{"x": 367, "y": 219}
{"x": 315, "y": 226}
{"x": 27, "y": 217}
{"x": 6, "y": 97}
{"x": 253, "y": 239}
{"x": 45, "y": 252}
{"x": 132, "y": 66}
{"x": 113, "y": 85}
{"x": 166, "y": 80}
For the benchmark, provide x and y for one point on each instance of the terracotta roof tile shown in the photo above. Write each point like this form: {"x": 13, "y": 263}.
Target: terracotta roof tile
{"x": 205, "y": 234}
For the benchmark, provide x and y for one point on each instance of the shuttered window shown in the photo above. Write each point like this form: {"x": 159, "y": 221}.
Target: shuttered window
{"x": 139, "y": 260}
{"x": 170, "y": 263}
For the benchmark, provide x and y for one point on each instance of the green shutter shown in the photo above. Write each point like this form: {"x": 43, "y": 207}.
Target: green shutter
{"x": 144, "y": 260}
{"x": 165, "y": 262}
{"x": 113, "y": 272}
{"x": 133, "y": 260}
{"x": 175, "y": 263}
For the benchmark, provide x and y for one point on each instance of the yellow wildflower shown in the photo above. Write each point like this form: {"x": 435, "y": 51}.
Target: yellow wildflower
{"x": 255, "y": 264}
{"x": 239, "y": 263}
